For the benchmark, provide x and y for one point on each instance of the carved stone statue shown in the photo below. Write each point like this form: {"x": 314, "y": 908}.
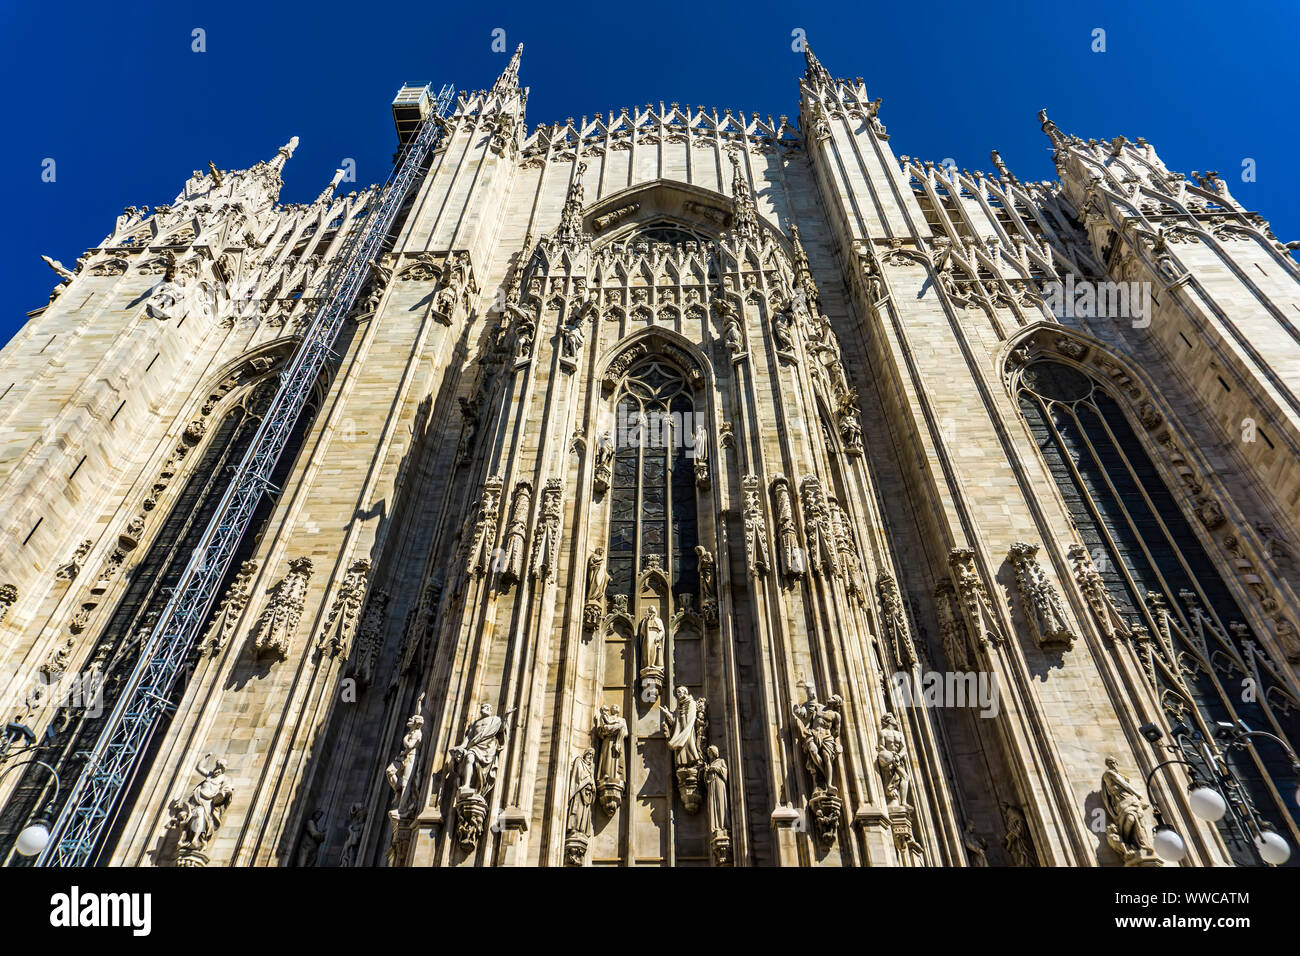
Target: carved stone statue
{"x": 512, "y": 558}
{"x": 399, "y": 771}
{"x": 652, "y": 654}
{"x": 1041, "y": 604}
{"x": 475, "y": 764}
{"x": 975, "y": 847}
{"x": 313, "y": 835}
{"x": 792, "y": 556}
{"x": 756, "y": 551}
{"x": 1017, "y": 836}
{"x": 715, "y": 775}
{"x": 199, "y": 817}
{"x": 280, "y": 619}
{"x": 1127, "y": 833}
{"x": 582, "y": 791}
{"x": 604, "y": 462}
{"x": 891, "y": 758}
{"x": 356, "y": 824}
{"x": 597, "y": 581}
{"x": 818, "y": 728}
{"x": 682, "y": 728}
{"x": 708, "y": 572}
{"x": 611, "y": 778}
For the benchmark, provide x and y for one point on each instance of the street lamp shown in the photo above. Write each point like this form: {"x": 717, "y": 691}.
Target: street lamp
{"x": 1219, "y": 796}
{"x": 35, "y": 837}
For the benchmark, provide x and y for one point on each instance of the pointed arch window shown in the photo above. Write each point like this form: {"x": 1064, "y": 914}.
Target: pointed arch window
{"x": 1191, "y": 634}
{"x": 653, "y": 517}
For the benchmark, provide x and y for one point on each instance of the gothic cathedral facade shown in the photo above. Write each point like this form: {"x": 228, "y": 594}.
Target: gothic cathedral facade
{"x": 674, "y": 473}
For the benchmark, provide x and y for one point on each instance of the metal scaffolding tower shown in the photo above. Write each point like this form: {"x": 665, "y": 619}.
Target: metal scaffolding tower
{"x": 94, "y": 801}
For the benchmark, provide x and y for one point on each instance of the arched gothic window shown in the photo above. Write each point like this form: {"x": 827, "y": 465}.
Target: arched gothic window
{"x": 652, "y": 494}
{"x": 1188, "y": 628}
{"x": 149, "y": 586}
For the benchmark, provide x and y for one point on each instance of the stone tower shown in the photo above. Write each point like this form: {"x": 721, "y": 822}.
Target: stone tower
{"x": 687, "y": 489}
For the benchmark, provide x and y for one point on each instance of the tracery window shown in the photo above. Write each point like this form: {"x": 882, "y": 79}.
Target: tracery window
{"x": 652, "y": 493}
{"x": 1158, "y": 576}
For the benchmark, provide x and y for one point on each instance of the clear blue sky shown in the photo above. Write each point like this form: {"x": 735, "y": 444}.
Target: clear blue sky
{"x": 114, "y": 94}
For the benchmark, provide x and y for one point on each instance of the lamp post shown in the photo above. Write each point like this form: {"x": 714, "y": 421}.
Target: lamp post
{"x": 1215, "y": 792}
{"x": 36, "y": 835}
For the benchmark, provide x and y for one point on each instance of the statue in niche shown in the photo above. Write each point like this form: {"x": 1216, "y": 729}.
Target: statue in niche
{"x": 708, "y": 570}
{"x": 399, "y": 771}
{"x": 891, "y": 758}
{"x": 604, "y": 462}
{"x": 715, "y": 772}
{"x": 1017, "y": 837}
{"x": 1127, "y": 833}
{"x": 700, "y": 453}
{"x": 597, "y": 581}
{"x": 475, "y": 765}
{"x": 975, "y": 847}
{"x": 582, "y": 791}
{"x": 792, "y": 556}
{"x": 756, "y": 554}
{"x": 735, "y": 338}
{"x": 512, "y": 561}
{"x": 571, "y": 339}
{"x": 313, "y": 835}
{"x": 682, "y": 728}
{"x": 611, "y": 779}
{"x": 783, "y": 334}
{"x": 818, "y": 728}
{"x": 199, "y": 817}
{"x": 652, "y": 655}
{"x": 356, "y": 824}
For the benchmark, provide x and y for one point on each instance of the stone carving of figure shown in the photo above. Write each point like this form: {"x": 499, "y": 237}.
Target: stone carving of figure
{"x": 200, "y": 815}
{"x": 582, "y": 791}
{"x": 604, "y": 461}
{"x": 597, "y": 581}
{"x": 476, "y": 758}
{"x": 280, "y": 620}
{"x": 356, "y": 823}
{"x": 700, "y": 453}
{"x": 708, "y": 571}
{"x": 818, "y": 726}
{"x": 782, "y": 333}
{"x": 975, "y": 847}
{"x": 735, "y": 339}
{"x": 891, "y": 758}
{"x": 792, "y": 559}
{"x": 715, "y": 772}
{"x": 1127, "y": 832}
{"x": 652, "y": 639}
{"x": 683, "y": 739}
{"x": 611, "y": 729}
{"x": 512, "y": 566}
{"x": 399, "y": 771}
{"x": 1017, "y": 838}
{"x": 571, "y": 338}
{"x": 313, "y": 835}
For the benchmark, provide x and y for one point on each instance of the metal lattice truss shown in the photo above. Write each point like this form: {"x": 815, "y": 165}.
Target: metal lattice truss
{"x": 94, "y": 800}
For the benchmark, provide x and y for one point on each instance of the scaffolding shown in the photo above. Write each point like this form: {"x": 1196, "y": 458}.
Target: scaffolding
{"x": 88, "y": 814}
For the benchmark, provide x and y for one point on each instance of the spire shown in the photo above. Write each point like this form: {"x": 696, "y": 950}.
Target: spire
{"x": 803, "y": 280}
{"x": 508, "y": 81}
{"x": 1053, "y": 133}
{"x": 570, "y": 231}
{"x": 328, "y": 192}
{"x": 282, "y": 156}
{"x": 816, "y": 73}
{"x": 745, "y": 214}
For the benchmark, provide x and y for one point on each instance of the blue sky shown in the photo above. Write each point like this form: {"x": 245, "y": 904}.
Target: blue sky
{"x": 116, "y": 96}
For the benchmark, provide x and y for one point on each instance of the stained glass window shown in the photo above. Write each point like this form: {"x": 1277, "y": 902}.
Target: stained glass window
{"x": 652, "y": 492}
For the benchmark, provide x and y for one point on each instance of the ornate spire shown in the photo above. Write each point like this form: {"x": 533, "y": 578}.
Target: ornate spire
{"x": 282, "y": 156}
{"x": 508, "y": 81}
{"x": 745, "y": 214}
{"x": 815, "y": 73}
{"x": 570, "y": 231}
{"x": 803, "y": 280}
{"x": 1053, "y": 132}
